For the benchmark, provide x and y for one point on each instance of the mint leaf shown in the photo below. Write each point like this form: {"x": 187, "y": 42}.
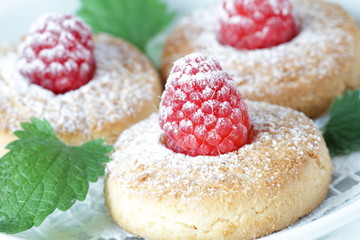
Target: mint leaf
{"x": 41, "y": 173}
{"x": 342, "y": 131}
{"x": 137, "y": 21}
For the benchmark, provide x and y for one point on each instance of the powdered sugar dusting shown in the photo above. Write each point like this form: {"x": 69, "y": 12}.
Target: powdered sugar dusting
{"x": 316, "y": 39}
{"x": 313, "y": 61}
{"x": 282, "y": 140}
{"x": 124, "y": 83}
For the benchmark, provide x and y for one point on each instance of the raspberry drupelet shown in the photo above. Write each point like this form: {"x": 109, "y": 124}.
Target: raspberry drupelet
{"x": 201, "y": 111}
{"x": 254, "y": 24}
{"x": 58, "y": 53}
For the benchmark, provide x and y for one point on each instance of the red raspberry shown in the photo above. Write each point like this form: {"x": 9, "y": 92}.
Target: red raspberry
{"x": 58, "y": 53}
{"x": 201, "y": 111}
{"x": 253, "y": 24}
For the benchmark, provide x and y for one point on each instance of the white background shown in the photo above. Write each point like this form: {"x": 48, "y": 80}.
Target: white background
{"x": 17, "y": 15}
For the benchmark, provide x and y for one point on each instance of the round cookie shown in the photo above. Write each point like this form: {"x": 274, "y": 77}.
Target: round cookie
{"x": 306, "y": 73}
{"x": 266, "y": 185}
{"x": 124, "y": 90}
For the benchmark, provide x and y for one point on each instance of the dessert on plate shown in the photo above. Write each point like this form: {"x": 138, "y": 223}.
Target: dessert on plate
{"x": 86, "y": 86}
{"x": 213, "y": 166}
{"x": 299, "y": 54}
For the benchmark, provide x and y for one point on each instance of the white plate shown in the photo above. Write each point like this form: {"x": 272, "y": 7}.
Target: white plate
{"x": 90, "y": 220}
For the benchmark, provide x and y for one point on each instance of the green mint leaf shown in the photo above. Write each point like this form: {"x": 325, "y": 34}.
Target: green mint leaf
{"x": 137, "y": 21}
{"x": 41, "y": 173}
{"x": 342, "y": 131}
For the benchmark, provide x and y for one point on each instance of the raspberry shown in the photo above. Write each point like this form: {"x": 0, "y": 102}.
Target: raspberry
{"x": 201, "y": 111}
{"x": 58, "y": 53}
{"x": 256, "y": 24}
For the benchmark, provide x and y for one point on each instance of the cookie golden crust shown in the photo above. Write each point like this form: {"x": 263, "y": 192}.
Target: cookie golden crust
{"x": 306, "y": 73}
{"x": 124, "y": 90}
{"x": 266, "y": 185}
